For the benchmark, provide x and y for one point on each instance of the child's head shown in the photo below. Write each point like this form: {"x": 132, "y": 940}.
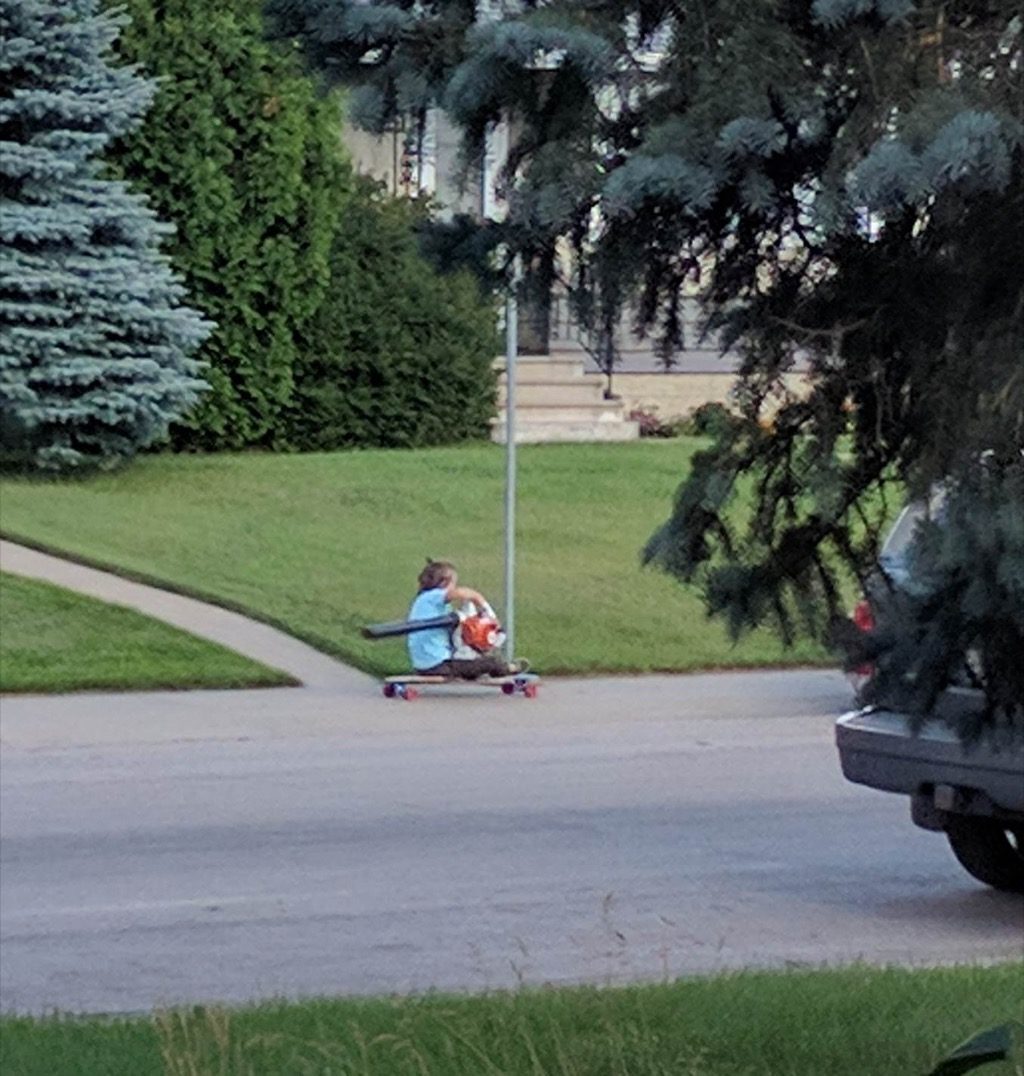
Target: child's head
{"x": 437, "y": 573}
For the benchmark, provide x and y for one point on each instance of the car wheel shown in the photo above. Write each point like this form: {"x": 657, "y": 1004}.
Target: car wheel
{"x": 991, "y": 851}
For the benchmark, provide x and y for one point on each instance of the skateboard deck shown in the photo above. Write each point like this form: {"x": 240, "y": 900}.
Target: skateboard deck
{"x": 408, "y": 687}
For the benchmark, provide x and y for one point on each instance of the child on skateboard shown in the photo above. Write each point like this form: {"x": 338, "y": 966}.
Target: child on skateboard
{"x": 432, "y": 652}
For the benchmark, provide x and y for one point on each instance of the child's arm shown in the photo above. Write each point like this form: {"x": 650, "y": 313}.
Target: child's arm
{"x": 468, "y": 594}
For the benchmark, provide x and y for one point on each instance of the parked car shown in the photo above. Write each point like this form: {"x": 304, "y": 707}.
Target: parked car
{"x": 974, "y": 794}
{"x": 887, "y": 585}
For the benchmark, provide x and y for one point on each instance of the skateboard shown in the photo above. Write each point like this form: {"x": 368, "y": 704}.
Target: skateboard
{"x": 408, "y": 687}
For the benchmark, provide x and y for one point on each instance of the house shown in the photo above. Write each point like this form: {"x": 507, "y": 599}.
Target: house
{"x": 562, "y": 395}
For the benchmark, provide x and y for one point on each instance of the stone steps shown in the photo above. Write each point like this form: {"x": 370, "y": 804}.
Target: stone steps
{"x": 557, "y": 401}
{"x": 575, "y": 392}
{"x": 535, "y": 433}
{"x": 600, "y": 411}
{"x": 544, "y": 368}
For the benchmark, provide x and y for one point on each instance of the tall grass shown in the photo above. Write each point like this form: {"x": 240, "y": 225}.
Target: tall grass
{"x": 851, "y": 1022}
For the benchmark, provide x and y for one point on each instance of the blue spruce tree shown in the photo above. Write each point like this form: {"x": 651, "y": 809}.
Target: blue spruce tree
{"x": 94, "y": 341}
{"x": 842, "y": 180}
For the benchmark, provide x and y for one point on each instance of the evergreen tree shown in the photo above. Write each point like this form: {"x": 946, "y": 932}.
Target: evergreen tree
{"x": 961, "y": 609}
{"x": 94, "y": 344}
{"x": 244, "y": 155}
{"x": 844, "y": 180}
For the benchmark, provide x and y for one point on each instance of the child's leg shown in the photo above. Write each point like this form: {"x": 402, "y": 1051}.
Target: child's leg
{"x": 492, "y": 664}
{"x": 446, "y": 668}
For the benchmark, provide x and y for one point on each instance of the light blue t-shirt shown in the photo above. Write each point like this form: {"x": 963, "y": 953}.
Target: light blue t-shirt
{"x": 431, "y": 647}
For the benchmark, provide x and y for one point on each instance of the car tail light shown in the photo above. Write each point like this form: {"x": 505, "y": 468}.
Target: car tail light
{"x": 863, "y": 617}
{"x": 864, "y": 620}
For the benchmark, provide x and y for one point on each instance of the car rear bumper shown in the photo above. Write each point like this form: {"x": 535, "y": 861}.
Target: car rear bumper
{"x": 878, "y": 748}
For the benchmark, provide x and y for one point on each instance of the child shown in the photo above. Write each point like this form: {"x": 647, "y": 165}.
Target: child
{"x": 431, "y": 652}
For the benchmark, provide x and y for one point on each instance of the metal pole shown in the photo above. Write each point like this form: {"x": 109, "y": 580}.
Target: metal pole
{"x": 511, "y": 349}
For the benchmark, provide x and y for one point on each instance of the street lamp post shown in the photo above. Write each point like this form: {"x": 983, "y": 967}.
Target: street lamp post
{"x": 511, "y": 350}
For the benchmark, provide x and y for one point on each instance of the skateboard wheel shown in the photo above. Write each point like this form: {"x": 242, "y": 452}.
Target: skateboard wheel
{"x": 410, "y": 694}
{"x": 508, "y": 689}
{"x": 389, "y": 691}
{"x": 530, "y": 691}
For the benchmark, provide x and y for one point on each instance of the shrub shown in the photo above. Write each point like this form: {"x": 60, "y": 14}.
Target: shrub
{"x": 244, "y": 156}
{"x": 707, "y": 419}
{"x": 332, "y": 330}
{"x": 400, "y": 355}
{"x": 652, "y": 425}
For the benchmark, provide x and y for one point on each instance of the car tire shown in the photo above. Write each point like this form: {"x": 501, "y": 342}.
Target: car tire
{"x": 991, "y": 851}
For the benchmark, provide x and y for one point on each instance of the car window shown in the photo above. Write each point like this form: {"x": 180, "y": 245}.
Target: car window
{"x": 902, "y": 534}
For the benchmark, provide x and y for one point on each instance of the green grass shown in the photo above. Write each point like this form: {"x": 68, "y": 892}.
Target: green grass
{"x": 850, "y": 1022}
{"x": 53, "y": 640}
{"x": 323, "y": 544}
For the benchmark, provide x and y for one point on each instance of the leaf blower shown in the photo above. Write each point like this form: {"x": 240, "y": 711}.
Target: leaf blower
{"x": 473, "y": 631}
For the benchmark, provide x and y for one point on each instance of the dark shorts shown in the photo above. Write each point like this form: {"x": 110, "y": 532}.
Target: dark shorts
{"x": 469, "y": 668}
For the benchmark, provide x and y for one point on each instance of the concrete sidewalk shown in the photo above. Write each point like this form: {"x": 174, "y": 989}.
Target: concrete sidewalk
{"x": 237, "y": 632}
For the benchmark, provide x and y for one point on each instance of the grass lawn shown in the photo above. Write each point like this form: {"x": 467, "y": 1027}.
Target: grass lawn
{"x": 323, "y": 544}
{"x": 53, "y": 640}
{"x": 851, "y": 1022}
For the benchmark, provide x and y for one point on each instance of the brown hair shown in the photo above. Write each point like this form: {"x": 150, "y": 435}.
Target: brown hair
{"x": 437, "y": 573}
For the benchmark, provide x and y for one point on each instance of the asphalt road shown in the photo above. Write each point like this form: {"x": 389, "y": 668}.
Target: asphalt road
{"x": 199, "y": 846}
